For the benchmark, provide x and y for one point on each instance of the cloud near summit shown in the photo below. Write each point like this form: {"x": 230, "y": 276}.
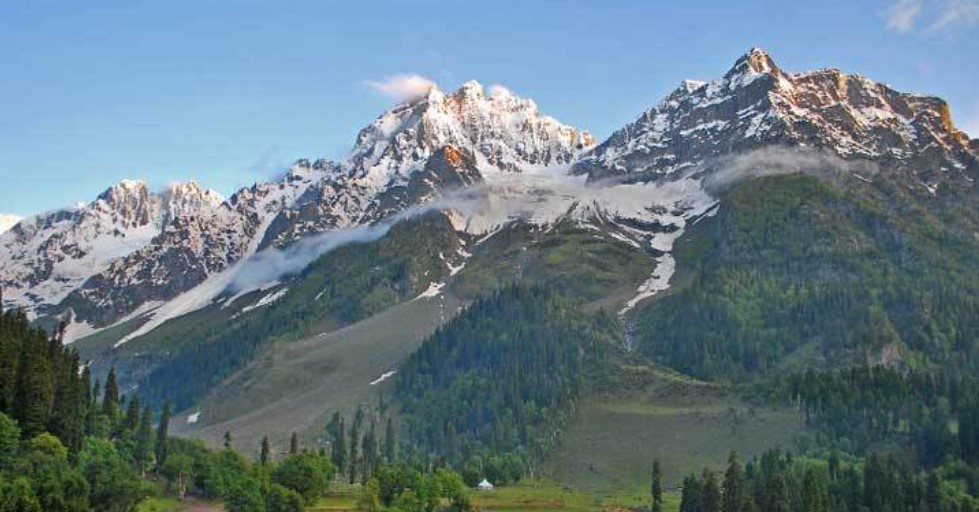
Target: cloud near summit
{"x": 403, "y": 87}
{"x": 901, "y": 16}
{"x": 935, "y": 16}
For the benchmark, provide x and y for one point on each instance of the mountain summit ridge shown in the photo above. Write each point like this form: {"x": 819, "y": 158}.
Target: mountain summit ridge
{"x": 757, "y": 104}
{"x": 506, "y": 132}
{"x": 131, "y": 248}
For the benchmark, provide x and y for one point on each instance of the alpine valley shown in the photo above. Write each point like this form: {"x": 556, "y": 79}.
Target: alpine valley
{"x": 767, "y": 260}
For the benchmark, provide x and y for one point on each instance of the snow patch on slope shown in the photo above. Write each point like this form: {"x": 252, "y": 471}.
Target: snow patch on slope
{"x": 384, "y": 376}
{"x": 434, "y": 290}
{"x": 266, "y": 300}
{"x": 8, "y": 221}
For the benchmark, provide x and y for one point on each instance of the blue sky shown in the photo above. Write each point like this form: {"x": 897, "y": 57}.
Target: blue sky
{"x": 230, "y": 92}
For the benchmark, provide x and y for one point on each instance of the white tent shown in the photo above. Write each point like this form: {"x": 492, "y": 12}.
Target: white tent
{"x": 485, "y": 485}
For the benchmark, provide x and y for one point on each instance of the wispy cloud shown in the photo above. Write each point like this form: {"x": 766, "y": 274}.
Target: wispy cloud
{"x": 404, "y": 87}
{"x": 957, "y": 13}
{"x": 932, "y": 16}
{"x": 902, "y": 16}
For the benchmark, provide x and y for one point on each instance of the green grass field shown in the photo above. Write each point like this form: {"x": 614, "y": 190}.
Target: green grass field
{"x": 159, "y": 505}
{"x": 525, "y": 496}
{"x": 688, "y": 425}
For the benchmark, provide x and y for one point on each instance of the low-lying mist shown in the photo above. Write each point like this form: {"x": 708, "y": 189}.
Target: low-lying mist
{"x": 724, "y": 173}
{"x": 545, "y": 196}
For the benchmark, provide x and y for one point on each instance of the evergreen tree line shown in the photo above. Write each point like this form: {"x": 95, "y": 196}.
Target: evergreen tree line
{"x": 64, "y": 445}
{"x": 776, "y": 482}
{"x": 355, "y": 452}
{"x": 790, "y": 264}
{"x": 357, "y": 449}
{"x": 492, "y": 389}
{"x": 861, "y": 407}
{"x": 291, "y": 484}
{"x": 70, "y": 445}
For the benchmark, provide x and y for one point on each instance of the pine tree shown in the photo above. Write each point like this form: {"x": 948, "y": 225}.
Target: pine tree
{"x": 132, "y": 416}
{"x": 92, "y": 411}
{"x": 354, "y": 459}
{"x": 265, "y": 455}
{"x": 70, "y": 404}
{"x": 656, "y": 488}
{"x": 733, "y": 485}
{"x": 778, "y": 494}
{"x": 369, "y": 453}
{"x": 339, "y": 447}
{"x": 162, "y": 436}
{"x": 933, "y": 494}
{"x": 390, "y": 443}
{"x": 814, "y": 492}
{"x": 227, "y": 440}
{"x": 144, "y": 440}
{"x": 32, "y": 400}
{"x": 294, "y": 444}
{"x": 710, "y": 493}
{"x": 110, "y": 400}
{"x": 690, "y": 495}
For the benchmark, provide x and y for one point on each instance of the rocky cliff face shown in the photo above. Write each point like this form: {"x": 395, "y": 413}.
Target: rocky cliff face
{"x": 505, "y": 133}
{"x": 132, "y": 249}
{"x": 48, "y": 256}
{"x": 499, "y": 132}
{"x": 756, "y": 104}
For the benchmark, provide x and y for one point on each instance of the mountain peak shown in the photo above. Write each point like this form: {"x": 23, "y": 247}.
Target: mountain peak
{"x": 125, "y": 187}
{"x": 503, "y": 131}
{"x": 188, "y": 198}
{"x": 8, "y": 221}
{"x": 470, "y": 89}
{"x": 758, "y": 60}
{"x": 757, "y": 104}
{"x": 128, "y": 200}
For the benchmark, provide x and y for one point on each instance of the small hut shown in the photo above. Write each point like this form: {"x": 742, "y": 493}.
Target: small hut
{"x": 485, "y": 485}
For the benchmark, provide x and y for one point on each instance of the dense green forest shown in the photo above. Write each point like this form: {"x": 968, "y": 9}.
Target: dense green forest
{"x": 62, "y": 449}
{"x": 792, "y": 266}
{"x": 68, "y": 444}
{"x": 494, "y": 386}
{"x": 792, "y": 274}
{"x": 797, "y": 295}
{"x": 778, "y": 482}
{"x": 864, "y": 408}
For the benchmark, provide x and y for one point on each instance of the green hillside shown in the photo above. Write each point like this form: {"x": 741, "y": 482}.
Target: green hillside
{"x": 795, "y": 272}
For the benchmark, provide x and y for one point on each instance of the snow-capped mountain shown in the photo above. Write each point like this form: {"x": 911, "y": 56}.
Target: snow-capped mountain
{"x": 8, "y": 221}
{"x": 131, "y": 250}
{"x": 192, "y": 246}
{"x": 47, "y": 256}
{"x": 503, "y": 132}
{"x": 756, "y": 104}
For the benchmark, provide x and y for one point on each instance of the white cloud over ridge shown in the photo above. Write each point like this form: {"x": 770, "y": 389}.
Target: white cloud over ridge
{"x": 901, "y": 16}
{"x": 957, "y": 12}
{"x": 905, "y": 16}
{"x": 402, "y": 87}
